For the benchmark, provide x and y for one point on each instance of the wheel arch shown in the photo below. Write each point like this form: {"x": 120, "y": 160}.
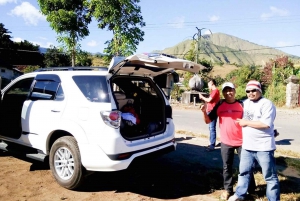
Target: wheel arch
{"x": 69, "y": 129}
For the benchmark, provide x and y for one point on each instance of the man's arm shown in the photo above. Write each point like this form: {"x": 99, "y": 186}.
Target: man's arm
{"x": 253, "y": 124}
{"x": 205, "y": 116}
{"x": 266, "y": 120}
{"x": 205, "y": 99}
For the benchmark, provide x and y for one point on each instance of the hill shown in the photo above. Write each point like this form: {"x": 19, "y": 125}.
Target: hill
{"x": 226, "y": 49}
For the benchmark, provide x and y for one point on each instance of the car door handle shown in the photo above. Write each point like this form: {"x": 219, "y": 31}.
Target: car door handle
{"x": 55, "y": 111}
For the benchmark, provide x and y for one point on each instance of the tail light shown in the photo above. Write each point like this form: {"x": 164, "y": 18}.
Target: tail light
{"x": 111, "y": 118}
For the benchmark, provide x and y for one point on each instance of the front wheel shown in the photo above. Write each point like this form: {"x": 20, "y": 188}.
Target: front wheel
{"x": 65, "y": 162}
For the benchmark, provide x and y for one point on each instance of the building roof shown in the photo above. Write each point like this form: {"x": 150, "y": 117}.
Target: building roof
{"x": 5, "y": 64}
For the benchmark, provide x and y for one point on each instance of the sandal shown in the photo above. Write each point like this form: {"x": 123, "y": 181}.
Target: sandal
{"x": 225, "y": 195}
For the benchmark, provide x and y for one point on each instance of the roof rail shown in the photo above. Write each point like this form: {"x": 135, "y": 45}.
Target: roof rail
{"x": 83, "y": 68}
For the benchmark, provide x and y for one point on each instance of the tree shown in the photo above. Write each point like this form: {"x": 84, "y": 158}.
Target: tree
{"x": 278, "y": 70}
{"x": 70, "y": 19}
{"x": 123, "y": 18}
{"x": 83, "y": 58}
{"x": 26, "y": 45}
{"x": 5, "y": 37}
{"x": 30, "y": 69}
{"x": 56, "y": 58}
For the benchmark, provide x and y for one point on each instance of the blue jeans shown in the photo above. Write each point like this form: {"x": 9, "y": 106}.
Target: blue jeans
{"x": 212, "y": 133}
{"x": 266, "y": 160}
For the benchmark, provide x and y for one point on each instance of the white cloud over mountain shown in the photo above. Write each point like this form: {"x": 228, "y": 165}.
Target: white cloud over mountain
{"x": 283, "y": 43}
{"x": 92, "y": 43}
{"x": 214, "y": 18}
{"x": 178, "y": 22}
{"x": 17, "y": 39}
{"x": 274, "y": 12}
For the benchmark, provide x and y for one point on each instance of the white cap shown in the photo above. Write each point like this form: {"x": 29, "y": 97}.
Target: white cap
{"x": 227, "y": 84}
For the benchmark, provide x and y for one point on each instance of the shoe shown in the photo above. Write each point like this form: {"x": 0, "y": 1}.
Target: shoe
{"x": 208, "y": 149}
{"x": 218, "y": 145}
{"x": 234, "y": 197}
{"x": 225, "y": 195}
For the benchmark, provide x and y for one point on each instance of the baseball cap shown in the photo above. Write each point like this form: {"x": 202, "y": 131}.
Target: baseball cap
{"x": 227, "y": 84}
{"x": 253, "y": 84}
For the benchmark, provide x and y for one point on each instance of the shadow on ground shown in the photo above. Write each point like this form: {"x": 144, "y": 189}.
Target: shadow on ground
{"x": 284, "y": 142}
{"x": 186, "y": 172}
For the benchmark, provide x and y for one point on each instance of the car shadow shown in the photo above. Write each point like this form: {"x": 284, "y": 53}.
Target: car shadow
{"x": 187, "y": 171}
{"x": 284, "y": 142}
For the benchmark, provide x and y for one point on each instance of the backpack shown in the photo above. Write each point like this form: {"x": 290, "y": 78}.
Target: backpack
{"x": 129, "y": 108}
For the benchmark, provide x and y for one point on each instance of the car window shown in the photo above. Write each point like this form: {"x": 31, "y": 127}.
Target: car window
{"x": 60, "y": 94}
{"x": 145, "y": 86}
{"x": 21, "y": 87}
{"x": 94, "y": 88}
{"x": 44, "y": 90}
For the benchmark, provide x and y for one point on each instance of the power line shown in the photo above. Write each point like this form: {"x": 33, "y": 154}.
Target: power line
{"x": 220, "y": 23}
{"x": 288, "y": 46}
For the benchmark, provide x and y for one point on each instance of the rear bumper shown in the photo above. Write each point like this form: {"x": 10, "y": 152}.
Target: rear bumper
{"x": 94, "y": 159}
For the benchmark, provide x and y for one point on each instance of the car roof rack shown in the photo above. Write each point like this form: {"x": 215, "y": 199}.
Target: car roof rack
{"x": 83, "y": 68}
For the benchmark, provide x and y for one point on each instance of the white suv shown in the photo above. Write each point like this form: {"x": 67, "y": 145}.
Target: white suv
{"x": 86, "y": 119}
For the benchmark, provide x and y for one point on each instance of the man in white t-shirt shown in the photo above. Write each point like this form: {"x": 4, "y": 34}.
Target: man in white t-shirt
{"x": 258, "y": 142}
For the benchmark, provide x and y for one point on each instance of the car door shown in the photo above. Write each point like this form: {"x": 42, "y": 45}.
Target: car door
{"x": 42, "y": 110}
{"x": 11, "y": 107}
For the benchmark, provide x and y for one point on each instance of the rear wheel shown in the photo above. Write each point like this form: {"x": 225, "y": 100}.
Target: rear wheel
{"x": 65, "y": 162}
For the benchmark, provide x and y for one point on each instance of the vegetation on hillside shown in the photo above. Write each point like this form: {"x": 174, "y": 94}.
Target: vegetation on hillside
{"x": 272, "y": 77}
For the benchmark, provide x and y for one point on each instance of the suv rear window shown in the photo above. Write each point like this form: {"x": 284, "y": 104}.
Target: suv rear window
{"x": 94, "y": 88}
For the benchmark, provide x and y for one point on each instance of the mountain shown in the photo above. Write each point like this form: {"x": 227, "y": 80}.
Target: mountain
{"x": 227, "y": 49}
{"x": 43, "y": 50}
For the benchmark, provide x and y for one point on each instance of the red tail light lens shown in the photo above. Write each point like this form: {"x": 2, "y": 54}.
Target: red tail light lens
{"x": 114, "y": 116}
{"x": 111, "y": 118}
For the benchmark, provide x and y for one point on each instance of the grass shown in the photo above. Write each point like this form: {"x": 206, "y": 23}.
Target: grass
{"x": 289, "y": 186}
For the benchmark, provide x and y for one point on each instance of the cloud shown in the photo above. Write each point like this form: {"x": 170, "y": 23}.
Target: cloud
{"x": 17, "y": 39}
{"x": 92, "y": 43}
{"x": 283, "y": 43}
{"x": 207, "y": 32}
{"x": 274, "y": 12}
{"x": 42, "y": 44}
{"x": 3, "y": 2}
{"x": 43, "y": 38}
{"x": 262, "y": 41}
{"x": 28, "y": 12}
{"x": 178, "y": 22}
{"x": 214, "y": 18}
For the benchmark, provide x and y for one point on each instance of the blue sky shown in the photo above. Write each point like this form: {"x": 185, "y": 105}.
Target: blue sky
{"x": 273, "y": 23}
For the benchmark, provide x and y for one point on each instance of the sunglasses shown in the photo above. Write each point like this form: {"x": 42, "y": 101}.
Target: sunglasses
{"x": 253, "y": 90}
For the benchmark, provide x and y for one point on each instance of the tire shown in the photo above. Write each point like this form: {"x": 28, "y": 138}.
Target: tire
{"x": 68, "y": 173}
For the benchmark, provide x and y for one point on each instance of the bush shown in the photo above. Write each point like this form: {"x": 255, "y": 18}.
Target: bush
{"x": 276, "y": 93}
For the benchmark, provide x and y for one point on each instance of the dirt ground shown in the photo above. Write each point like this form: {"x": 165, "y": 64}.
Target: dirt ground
{"x": 188, "y": 174}
{"x": 175, "y": 176}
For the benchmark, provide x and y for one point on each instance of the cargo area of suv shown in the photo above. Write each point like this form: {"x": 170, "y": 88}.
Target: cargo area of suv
{"x": 140, "y": 100}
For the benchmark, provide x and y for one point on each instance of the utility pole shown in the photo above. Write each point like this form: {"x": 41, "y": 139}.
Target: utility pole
{"x": 198, "y": 34}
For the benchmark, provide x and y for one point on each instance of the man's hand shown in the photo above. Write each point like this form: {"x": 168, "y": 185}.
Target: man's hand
{"x": 242, "y": 122}
{"x": 201, "y": 96}
{"x": 252, "y": 124}
{"x": 203, "y": 107}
